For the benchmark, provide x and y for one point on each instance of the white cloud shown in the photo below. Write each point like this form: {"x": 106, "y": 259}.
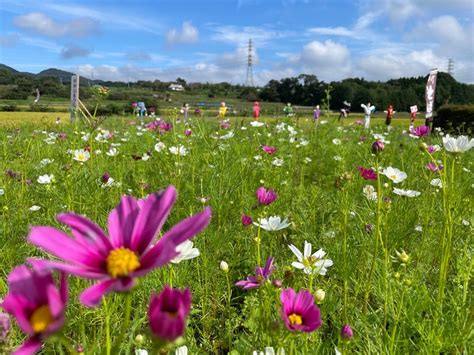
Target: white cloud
{"x": 72, "y": 51}
{"x": 188, "y": 34}
{"x": 234, "y": 35}
{"x": 43, "y": 24}
{"x": 333, "y": 31}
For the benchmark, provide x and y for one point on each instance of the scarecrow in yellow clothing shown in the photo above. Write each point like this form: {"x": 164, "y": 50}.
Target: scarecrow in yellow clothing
{"x": 222, "y": 110}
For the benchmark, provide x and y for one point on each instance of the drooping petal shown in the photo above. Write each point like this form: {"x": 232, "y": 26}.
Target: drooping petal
{"x": 151, "y": 218}
{"x": 91, "y": 296}
{"x": 307, "y": 249}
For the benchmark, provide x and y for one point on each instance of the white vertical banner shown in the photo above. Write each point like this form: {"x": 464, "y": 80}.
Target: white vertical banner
{"x": 430, "y": 94}
{"x": 74, "y": 95}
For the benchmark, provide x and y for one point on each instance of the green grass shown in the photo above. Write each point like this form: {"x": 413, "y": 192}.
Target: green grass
{"x": 395, "y": 308}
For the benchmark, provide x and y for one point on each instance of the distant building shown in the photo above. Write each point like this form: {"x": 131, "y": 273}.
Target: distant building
{"x": 176, "y": 87}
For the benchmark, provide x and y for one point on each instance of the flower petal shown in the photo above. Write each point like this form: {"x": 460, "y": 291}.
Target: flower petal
{"x": 121, "y": 222}
{"x": 297, "y": 252}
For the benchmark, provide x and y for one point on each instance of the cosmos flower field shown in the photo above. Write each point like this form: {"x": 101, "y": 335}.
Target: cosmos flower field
{"x": 267, "y": 237}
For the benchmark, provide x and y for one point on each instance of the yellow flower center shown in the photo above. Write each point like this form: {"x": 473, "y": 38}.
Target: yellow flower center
{"x": 259, "y": 278}
{"x": 310, "y": 261}
{"x": 41, "y": 319}
{"x": 121, "y": 262}
{"x": 295, "y": 319}
{"x": 393, "y": 177}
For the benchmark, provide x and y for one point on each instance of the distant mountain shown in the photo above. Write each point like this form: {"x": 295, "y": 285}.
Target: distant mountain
{"x": 62, "y": 75}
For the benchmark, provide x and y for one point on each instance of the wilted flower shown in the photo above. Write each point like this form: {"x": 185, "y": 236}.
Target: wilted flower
{"x": 168, "y": 313}
{"x": 369, "y": 192}
{"x": 299, "y": 312}
{"x": 310, "y": 263}
{"x": 261, "y": 276}
{"x": 273, "y": 223}
{"x": 434, "y": 167}
{"x": 277, "y": 283}
{"x": 264, "y": 196}
{"x": 369, "y": 228}
{"x": 402, "y": 256}
{"x": 4, "y": 326}
{"x": 36, "y": 302}
{"x": 116, "y": 261}
{"x": 460, "y": 144}
{"x": 367, "y": 174}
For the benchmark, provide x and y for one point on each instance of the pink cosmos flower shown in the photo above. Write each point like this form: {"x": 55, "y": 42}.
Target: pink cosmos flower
{"x": 268, "y": 149}
{"x": 168, "y": 312}
{"x": 130, "y": 250}
{"x": 265, "y": 197}
{"x": 261, "y": 276}
{"x": 188, "y": 132}
{"x": 346, "y": 332}
{"x": 367, "y": 174}
{"x": 36, "y": 302}
{"x": 377, "y": 146}
{"x": 225, "y": 125}
{"x": 420, "y": 131}
{"x": 299, "y": 312}
{"x": 246, "y": 220}
{"x": 433, "y": 167}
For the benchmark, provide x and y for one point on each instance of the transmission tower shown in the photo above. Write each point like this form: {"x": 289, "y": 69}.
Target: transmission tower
{"x": 450, "y": 67}
{"x": 249, "y": 79}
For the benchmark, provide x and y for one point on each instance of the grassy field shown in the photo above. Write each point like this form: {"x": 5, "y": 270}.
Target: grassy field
{"x": 401, "y": 265}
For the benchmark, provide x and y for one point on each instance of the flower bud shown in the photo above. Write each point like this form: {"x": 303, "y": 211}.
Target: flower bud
{"x": 139, "y": 339}
{"x": 224, "y": 266}
{"x": 377, "y": 147}
{"x": 346, "y": 332}
{"x": 277, "y": 283}
{"x": 246, "y": 220}
{"x": 423, "y": 146}
{"x": 403, "y": 256}
{"x": 319, "y": 295}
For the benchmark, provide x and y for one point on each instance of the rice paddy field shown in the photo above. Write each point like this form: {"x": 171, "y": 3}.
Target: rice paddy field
{"x": 306, "y": 238}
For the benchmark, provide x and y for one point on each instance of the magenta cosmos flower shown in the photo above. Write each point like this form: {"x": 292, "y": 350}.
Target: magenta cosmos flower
{"x": 36, "y": 302}
{"x": 421, "y": 131}
{"x": 246, "y": 219}
{"x": 265, "y": 197}
{"x": 128, "y": 252}
{"x": 168, "y": 312}
{"x": 268, "y": 149}
{"x": 377, "y": 146}
{"x": 261, "y": 276}
{"x": 299, "y": 312}
{"x": 367, "y": 174}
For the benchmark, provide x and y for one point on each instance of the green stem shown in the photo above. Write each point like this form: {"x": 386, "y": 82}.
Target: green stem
{"x": 125, "y": 324}
{"x": 108, "y": 343}
{"x": 394, "y": 330}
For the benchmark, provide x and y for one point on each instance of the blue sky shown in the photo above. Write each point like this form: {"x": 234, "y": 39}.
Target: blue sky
{"x": 207, "y": 40}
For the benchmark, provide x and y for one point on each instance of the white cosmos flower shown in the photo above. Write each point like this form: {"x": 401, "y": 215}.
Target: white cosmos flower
{"x": 181, "y": 150}
{"x": 2, "y": 192}
{"x": 112, "y": 152}
{"x": 269, "y": 351}
{"x": 460, "y": 144}
{"x": 145, "y": 157}
{"x": 370, "y": 193}
{"x": 141, "y": 352}
{"x": 81, "y": 155}
{"x": 160, "y": 146}
{"x": 182, "y": 350}
{"x": 337, "y": 158}
{"x": 45, "y": 179}
{"x": 307, "y": 160}
{"x": 185, "y": 251}
{"x": 227, "y": 136}
{"x": 394, "y": 174}
{"x": 465, "y": 222}
{"x": 419, "y": 228}
{"x": 310, "y": 263}
{"x": 45, "y": 162}
{"x": 436, "y": 183}
{"x": 336, "y": 141}
{"x": 34, "y": 208}
{"x": 277, "y": 162}
{"x": 257, "y": 157}
{"x": 86, "y": 136}
{"x": 407, "y": 193}
{"x": 257, "y": 124}
{"x": 273, "y": 223}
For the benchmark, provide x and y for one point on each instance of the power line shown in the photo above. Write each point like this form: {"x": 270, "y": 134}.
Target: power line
{"x": 249, "y": 78}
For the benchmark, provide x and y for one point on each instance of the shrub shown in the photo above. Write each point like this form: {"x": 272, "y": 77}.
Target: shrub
{"x": 8, "y": 108}
{"x": 458, "y": 118}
